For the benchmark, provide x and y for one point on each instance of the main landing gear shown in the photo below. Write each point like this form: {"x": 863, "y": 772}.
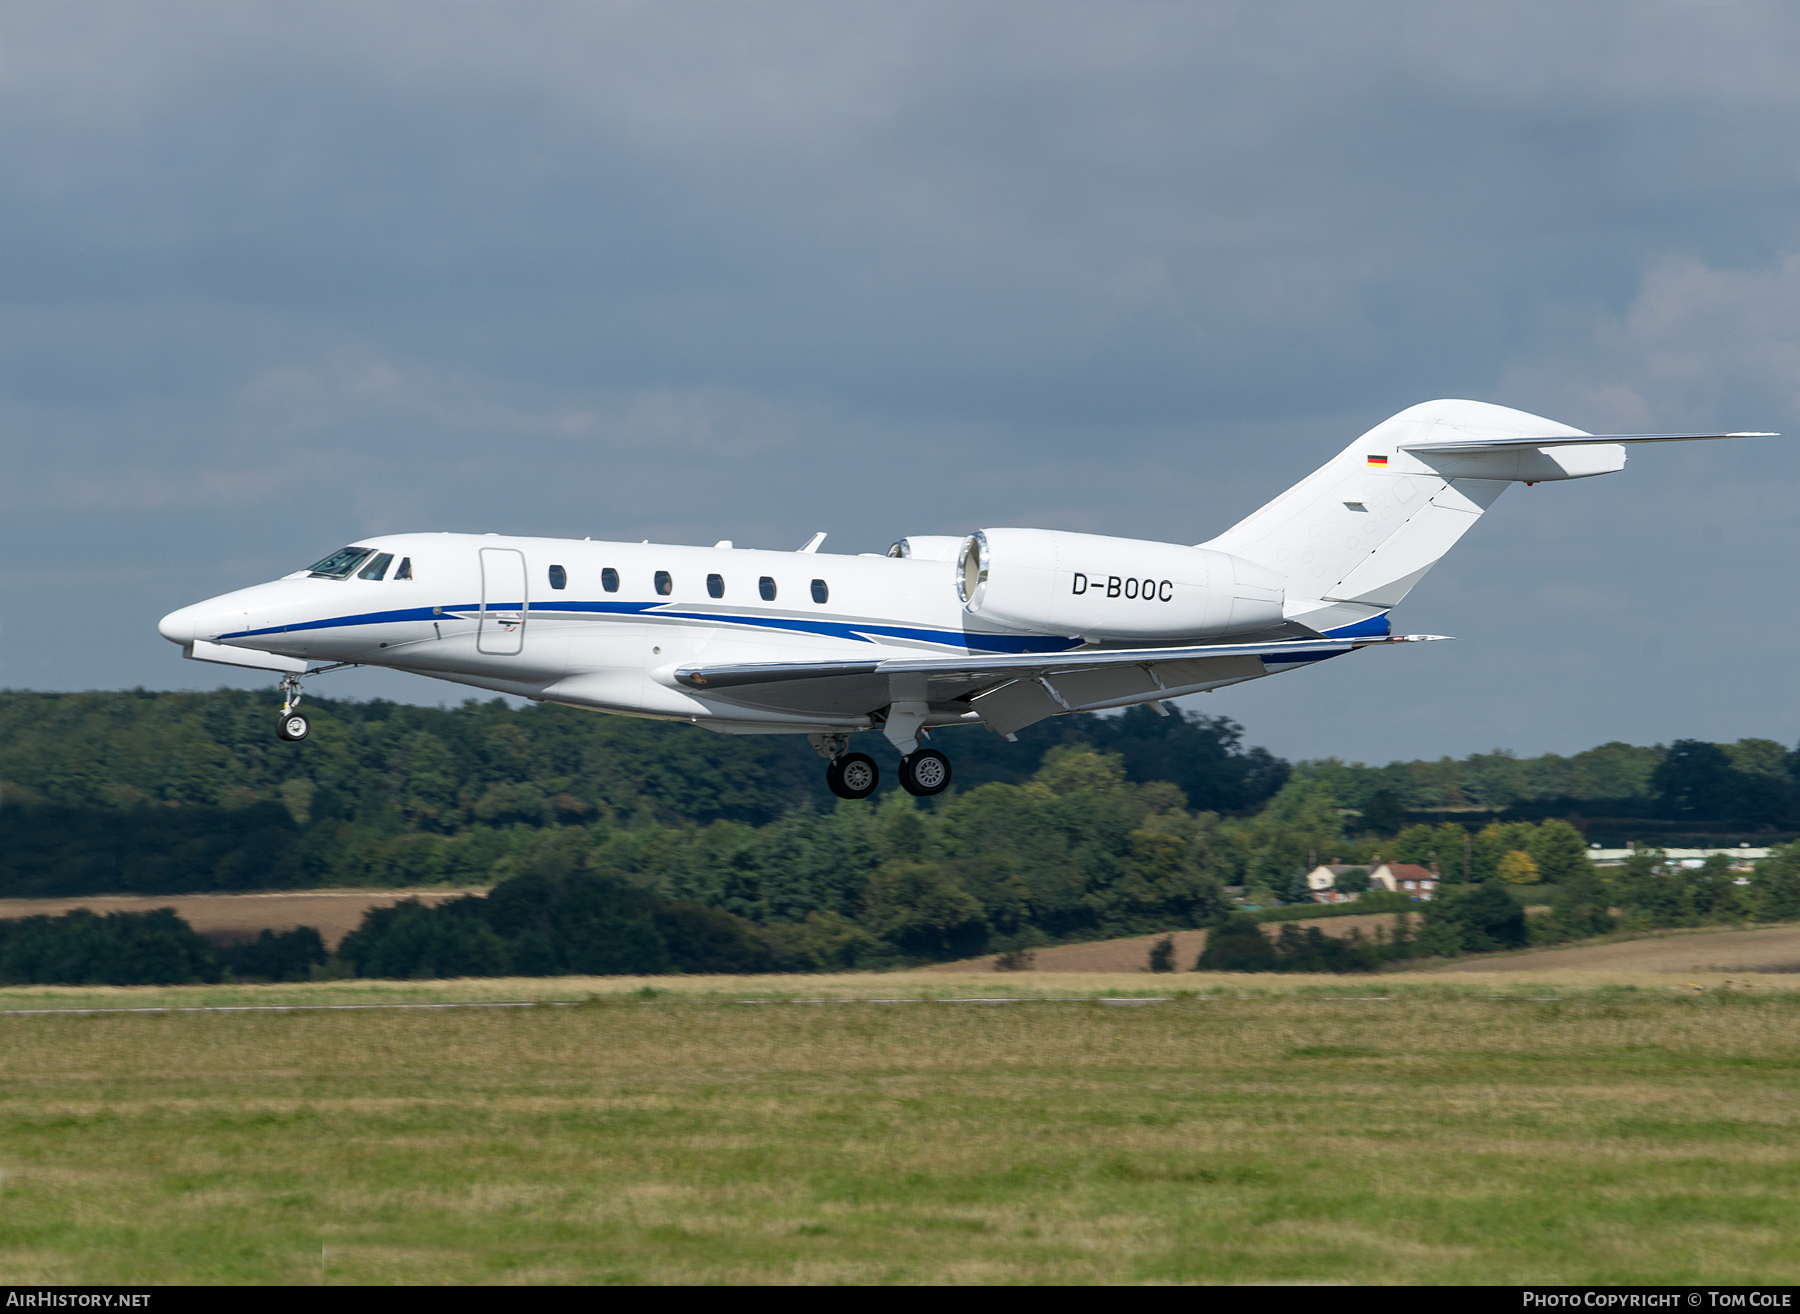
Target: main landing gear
{"x": 923, "y": 772}
{"x": 853, "y": 775}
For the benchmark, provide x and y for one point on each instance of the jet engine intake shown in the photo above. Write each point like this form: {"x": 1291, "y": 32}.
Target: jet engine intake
{"x": 1049, "y": 582}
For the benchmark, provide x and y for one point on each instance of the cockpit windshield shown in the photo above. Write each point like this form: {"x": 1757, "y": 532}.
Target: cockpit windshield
{"x": 340, "y": 563}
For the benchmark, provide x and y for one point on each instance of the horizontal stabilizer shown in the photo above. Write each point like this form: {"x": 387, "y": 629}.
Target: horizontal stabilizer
{"x": 1552, "y": 440}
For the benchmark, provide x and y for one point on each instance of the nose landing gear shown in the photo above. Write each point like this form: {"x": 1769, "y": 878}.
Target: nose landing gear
{"x": 292, "y": 726}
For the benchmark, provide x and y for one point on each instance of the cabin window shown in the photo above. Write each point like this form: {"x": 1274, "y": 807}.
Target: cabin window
{"x": 664, "y": 584}
{"x": 405, "y": 571}
{"x": 766, "y": 587}
{"x": 377, "y": 568}
{"x": 609, "y": 580}
{"x": 715, "y": 586}
{"x": 559, "y": 578}
{"x": 340, "y": 563}
{"x": 821, "y": 591}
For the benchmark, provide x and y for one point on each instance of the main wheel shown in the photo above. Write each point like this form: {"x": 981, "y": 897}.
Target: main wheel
{"x": 292, "y": 727}
{"x": 925, "y": 772}
{"x": 854, "y": 775}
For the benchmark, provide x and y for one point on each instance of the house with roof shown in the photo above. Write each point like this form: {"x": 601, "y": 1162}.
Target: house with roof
{"x": 1323, "y": 882}
{"x": 1405, "y": 878}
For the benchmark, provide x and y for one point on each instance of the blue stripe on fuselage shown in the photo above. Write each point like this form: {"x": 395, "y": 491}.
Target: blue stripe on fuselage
{"x": 848, "y": 630}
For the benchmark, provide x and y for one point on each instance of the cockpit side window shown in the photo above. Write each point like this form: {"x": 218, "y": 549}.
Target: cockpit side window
{"x": 340, "y": 563}
{"x": 377, "y": 569}
{"x": 405, "y": 571}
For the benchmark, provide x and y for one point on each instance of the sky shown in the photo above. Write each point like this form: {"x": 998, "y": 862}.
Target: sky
{"x": 277, "y": 276}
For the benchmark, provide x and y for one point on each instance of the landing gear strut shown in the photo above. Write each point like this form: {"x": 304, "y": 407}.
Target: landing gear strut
{"x": 292, "y": 726}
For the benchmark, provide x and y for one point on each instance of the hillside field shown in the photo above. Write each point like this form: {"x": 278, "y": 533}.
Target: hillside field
{"x": 227, "y": 917}
{"x": 1506, "y": 1127}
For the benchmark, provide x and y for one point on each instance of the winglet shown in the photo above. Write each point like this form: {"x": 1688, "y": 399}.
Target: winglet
{"x": 812, "y": 544}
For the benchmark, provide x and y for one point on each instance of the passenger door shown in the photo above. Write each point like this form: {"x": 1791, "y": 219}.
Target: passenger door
{"x": 503, "y": 602}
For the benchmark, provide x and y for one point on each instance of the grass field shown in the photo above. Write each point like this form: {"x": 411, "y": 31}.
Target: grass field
{"x": 1246, "y": 1130}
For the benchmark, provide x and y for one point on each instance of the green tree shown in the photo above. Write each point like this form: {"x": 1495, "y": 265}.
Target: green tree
{"x": 824, "y": 942}
{"x": 1473, "y": 919}
{"x": 1517, "y": 868}
{"x": 1559, "y": 852}
{"x": 1162, "y": 954}
{"x": 1581, "y": 906}
{"x": 1236, "y": 944}
{"x": 1383, "y": 812}
{"x": 917, "y": 908}
{"x": 1649, "y": 893}
{"x": 117, "y": 948}
{"x": 711, "y": 940}
{"x": 1775, "y": 886}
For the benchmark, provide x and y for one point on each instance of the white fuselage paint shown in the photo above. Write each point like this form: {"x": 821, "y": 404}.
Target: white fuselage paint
{"x": 613, "y": 651}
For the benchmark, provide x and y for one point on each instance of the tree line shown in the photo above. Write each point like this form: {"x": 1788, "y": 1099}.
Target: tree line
{"x": 583, "y": 922}
{"x": 1750, "y": 785}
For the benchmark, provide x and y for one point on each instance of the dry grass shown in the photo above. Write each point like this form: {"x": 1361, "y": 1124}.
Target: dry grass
{"x": 1711, "y": 949}
{"x": 1256, "y": 1129}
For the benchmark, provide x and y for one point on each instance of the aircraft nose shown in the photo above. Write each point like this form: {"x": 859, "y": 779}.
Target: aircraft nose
{"x": 179, "y": 626}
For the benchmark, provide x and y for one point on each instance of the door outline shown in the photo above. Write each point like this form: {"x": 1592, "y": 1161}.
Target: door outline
{"x": 500, "y": 631}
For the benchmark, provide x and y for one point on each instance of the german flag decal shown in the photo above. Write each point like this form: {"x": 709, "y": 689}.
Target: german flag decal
{"x": 1378, "y": 461}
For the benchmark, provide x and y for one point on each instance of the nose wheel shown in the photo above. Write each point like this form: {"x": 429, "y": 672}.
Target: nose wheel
{"x": 292, "y": 726}
{"x": 853, "y": 775}
{"x": 925, "y": 772}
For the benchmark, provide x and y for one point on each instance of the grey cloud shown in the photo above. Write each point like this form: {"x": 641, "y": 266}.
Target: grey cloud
{"x": 279, "y": 275}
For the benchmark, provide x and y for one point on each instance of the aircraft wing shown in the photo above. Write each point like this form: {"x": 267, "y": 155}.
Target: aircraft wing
{"x": 1584, "y": 440}
{"x": 1008, "y": 691}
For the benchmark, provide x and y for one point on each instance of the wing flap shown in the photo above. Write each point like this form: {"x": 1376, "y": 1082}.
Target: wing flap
{"x": 1003, "y": 688}
{"x": 1010, "y": 708}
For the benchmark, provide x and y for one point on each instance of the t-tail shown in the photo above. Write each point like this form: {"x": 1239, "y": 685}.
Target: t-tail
{"x": 1353, "y": 537}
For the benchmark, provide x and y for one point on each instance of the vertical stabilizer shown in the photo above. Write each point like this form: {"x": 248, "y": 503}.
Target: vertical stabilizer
{"x": 1353, "y": 537}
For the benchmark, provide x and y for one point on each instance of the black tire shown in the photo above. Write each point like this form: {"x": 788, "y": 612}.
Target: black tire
{"x": 292, "y": 727}
{"x": 925, "y": 773}
{"x": 854, "y": 775}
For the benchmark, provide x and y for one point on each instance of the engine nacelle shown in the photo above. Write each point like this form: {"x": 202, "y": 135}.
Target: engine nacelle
{"x": 1045, "y": 581}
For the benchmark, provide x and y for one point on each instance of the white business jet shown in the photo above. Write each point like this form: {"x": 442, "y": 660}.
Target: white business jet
{"x": 1003, "y": 627}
